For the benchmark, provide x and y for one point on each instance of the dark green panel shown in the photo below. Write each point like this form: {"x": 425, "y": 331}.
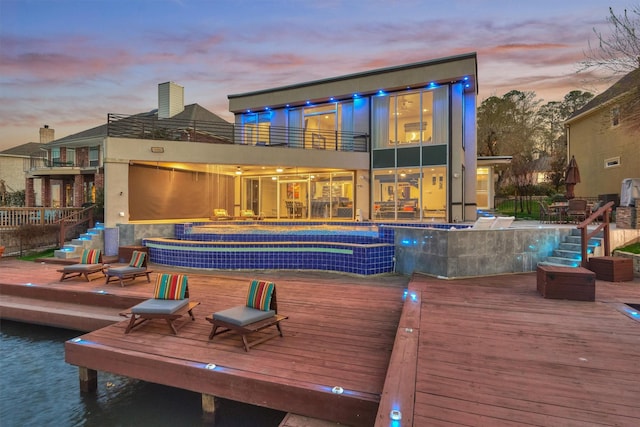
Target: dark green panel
{"x": 434, "y": 155}
{"x": 408, "y": 157}
{"x": 384, "y": 159}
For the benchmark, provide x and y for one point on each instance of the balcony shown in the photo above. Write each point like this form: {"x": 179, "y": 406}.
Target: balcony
{"x": 264, "y": 135}
{"x": 37, "y": 165}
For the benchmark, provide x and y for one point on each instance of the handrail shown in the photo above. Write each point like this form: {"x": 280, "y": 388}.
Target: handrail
{"x": 584, "y": 236}
{"x": 75, "y": 218}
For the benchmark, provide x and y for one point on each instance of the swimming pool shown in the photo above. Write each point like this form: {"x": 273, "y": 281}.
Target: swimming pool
{"x": 358, "y": 248}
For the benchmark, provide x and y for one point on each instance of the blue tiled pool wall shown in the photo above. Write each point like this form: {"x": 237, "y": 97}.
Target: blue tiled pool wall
{"x": 348, "y": 258}
{"x": 349, "y": 253}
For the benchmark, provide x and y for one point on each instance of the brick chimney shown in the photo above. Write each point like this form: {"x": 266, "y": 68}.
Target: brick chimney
{"x": 46, "y": 134}
{"x": 170, "y": 100}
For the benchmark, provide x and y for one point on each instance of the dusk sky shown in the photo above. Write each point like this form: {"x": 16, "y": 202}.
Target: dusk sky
{"x": 68, "y": 63}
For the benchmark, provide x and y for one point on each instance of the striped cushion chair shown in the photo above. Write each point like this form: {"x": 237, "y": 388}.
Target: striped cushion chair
{"x": 90, "y": 263}
{"x": 137, "y": 267}
{"x": 259, "y": 312}
{"x": 170, "y": 302}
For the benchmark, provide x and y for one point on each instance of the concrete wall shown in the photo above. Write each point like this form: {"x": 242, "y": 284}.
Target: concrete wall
{"x": 132, "y": 234}
{"x": 467, "y": 253}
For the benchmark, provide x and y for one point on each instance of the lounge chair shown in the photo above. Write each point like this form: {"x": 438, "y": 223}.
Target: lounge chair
{"x": 259, "y": 312}
{"x": 90, "y": 263}
{"x": 137, "y": 267}
{"x": 221, "y": 214}
{"x": 502, "y": 222}
{"x": 170, "y": 302}
{"x": 483, "y": 223}
{"x": 248, "y": 214}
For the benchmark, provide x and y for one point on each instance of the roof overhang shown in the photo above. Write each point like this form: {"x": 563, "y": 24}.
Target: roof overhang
{"x": 439, "y": 71}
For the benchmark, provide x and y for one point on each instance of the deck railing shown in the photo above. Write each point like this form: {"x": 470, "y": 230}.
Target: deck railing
{"x": 12, "y": 217}
{"x": 585, "y": 235}
{"x": 149, "y": 127}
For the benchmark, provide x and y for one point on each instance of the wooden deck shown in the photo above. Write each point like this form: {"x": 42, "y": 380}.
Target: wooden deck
{"x": 482, "y": 351}
{"x": 493, "y": 352}
{"x": 340, "y": 332}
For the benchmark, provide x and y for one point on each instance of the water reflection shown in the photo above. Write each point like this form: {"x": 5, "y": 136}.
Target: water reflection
{"x": 37, "y": 388}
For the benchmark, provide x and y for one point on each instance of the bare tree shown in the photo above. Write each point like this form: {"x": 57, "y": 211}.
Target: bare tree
{"x": 619, "y": 50}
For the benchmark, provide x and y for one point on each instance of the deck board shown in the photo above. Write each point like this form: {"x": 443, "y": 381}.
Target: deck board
{"x": 491, "y": 350}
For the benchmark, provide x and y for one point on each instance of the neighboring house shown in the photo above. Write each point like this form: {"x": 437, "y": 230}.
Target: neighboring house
{"x": 605, "y": 147}
{"x": 393, "y": 143}
{"x": 13, "y": 163}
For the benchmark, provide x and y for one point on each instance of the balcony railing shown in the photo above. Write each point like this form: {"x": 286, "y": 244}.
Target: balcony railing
{"x": 149, "y": 127}
{"x": 38, "y": 162}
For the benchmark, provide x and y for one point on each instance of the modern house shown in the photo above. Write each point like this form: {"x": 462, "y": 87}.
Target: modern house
{"x": 396, "y": 143}
{"x": 604, "y": 145}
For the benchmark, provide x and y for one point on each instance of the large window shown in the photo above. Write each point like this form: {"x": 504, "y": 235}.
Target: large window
{"x": 256, "y": 128}
{"x": 410, "y": 194}
{"x": 410, "y": 118}
{"x": 320, "y": 124}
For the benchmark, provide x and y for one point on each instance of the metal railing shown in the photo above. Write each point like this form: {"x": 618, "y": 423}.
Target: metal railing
{"x": 150, "y": 127}
{"x": 39, "y": 162}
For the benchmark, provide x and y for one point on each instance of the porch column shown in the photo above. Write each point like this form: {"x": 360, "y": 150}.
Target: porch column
{"x": 78, "y": 191}
{"x": 46, "y": 191}
{"x": 29, "y": 193}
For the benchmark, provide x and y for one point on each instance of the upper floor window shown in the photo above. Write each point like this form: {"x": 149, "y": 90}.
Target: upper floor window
{"x": 71, "y": 156}
{"x": 419, "y": 117}
{"x": 94, "y": 156}
{"x": 256, "y": 128}
{"x": 615, "y": 116}
{"x": 55, "y": 156}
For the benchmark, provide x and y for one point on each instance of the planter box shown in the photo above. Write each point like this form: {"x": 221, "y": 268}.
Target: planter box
{"x": 572, "y": 283}
{"x": 612, "y": 268}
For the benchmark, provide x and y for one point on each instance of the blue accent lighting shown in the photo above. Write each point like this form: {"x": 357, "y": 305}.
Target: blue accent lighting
{"x": 331, "y": 99}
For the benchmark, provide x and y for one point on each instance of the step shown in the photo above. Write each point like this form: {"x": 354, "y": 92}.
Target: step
{"x": 572, "y": 255}
{"x": 67, "y": 251}
{"x": 558, "y": 261}
{"x": 578, "y": 240}
{"x": 58, "y": 314}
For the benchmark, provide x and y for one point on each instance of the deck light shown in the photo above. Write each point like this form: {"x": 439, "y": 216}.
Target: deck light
{"x": 337, "y": 390}
{"x": 29, "y": 284}
{"x": 395, "y": 415}
{"x": 210, "y": 366}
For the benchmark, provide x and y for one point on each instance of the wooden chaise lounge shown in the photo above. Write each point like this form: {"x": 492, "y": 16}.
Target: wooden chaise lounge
{"x": 259, "y": 312}
{"x": 90, "y": 263}
{"x": 170, "y": 302}
{"x": 137, "y": 267}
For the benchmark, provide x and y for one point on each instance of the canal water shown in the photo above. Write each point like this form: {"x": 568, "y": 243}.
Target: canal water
{"x": 37, "y": 388}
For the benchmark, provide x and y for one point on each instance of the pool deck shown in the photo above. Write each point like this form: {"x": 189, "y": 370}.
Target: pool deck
{"x": 477, "y": 351}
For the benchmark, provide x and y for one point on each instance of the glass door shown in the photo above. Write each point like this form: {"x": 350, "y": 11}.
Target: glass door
{"x": 294, "y": 195}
